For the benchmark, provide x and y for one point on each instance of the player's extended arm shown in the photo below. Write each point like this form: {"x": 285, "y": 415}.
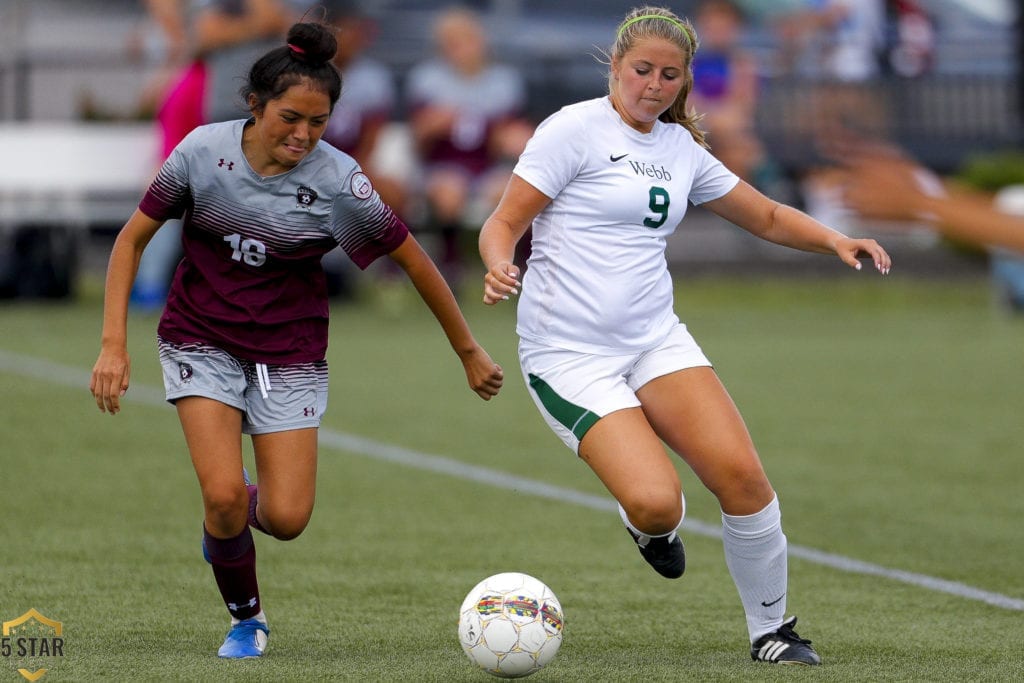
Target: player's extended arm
{"x": 484, "y": 375}
{"x": 112, "y": 371}
{"x": 768, "y": 219}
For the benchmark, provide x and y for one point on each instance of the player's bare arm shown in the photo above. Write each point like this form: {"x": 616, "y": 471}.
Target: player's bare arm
{"x": 519, "y": 205}
{"x": 781, "y": 224}
{"x": 484, "y": 375}
{"x": 112, "y": 372}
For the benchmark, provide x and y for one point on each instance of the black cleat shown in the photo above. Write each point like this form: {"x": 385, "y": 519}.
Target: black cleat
{"x": 784, "y": 646}
{"x": 664, "y": 553}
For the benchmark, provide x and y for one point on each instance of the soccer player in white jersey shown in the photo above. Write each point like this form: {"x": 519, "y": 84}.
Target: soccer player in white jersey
{"x": 615, "y": 374}
{"x": 243, "y": 336}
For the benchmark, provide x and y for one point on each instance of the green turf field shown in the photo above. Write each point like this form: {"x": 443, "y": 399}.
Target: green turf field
{"x": 888, "y": 413}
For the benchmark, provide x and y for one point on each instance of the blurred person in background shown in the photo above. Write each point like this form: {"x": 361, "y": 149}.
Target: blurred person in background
{"x": 465, "y": 112}
{"x": 355, "y": 126}
{"x": 911, "y": 50}
{"x": 838, "y": 47}
{"x": 725, "y": 91}
{"x": 229, "y": 36}
{"x": 243, "y": 336}
{"x": 370, "y": 97}
{"x": 840, "y": 40}
{"x": 165, "y": 32}
{"x": 609, "y": 365}
{"x": 221, "y": 39}
{"x": 982, "y": 205}
{"x": 177, "y": 95}
{"x": 892, "y": 188}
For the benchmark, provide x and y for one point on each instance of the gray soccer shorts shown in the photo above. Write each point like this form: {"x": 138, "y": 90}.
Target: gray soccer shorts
{"x": 272, "y": 398}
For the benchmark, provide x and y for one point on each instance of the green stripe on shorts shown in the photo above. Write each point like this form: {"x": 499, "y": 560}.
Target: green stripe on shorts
{"x": 574, "y": 418}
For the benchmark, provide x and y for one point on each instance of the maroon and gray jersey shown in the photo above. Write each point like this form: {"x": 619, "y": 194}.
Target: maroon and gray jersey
{"x": 250, "y": 281}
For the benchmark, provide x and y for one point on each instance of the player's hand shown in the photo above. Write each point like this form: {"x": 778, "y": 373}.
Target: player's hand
{"x": 851, "y": 250}
{"x": 484, "y": 375}
{"x": 110, "y": 377}
{"x": 501, "y": 282}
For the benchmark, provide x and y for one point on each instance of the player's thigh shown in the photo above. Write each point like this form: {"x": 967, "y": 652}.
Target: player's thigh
{"x": 286, "y": 464}
{"x": 694, "y": 414}
{"x": 213, "y": 433}
{"x": 587, "y": 402}
{"x": 628, "y": 457}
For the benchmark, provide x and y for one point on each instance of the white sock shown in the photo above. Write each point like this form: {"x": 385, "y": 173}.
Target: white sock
{"x": 645, "y": 538}
{"x": 755, "y": 552}
{"x": 261, "y": 617}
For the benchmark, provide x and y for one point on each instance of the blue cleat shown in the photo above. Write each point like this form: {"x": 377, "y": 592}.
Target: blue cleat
{"x": 246, "y": 639}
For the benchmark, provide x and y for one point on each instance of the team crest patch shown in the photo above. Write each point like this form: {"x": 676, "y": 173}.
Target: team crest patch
{"x": 305, "y": 196}
{"x": 361, "y": 186}
{"x": 185, "y": 372}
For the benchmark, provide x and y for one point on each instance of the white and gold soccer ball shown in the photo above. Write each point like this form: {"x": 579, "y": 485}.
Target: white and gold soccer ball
{"x": 510, "y": 625}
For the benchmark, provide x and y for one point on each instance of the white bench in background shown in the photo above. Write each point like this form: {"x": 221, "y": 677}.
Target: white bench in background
{"x": 58, "y": 180}
{"x": 74, "y": 174}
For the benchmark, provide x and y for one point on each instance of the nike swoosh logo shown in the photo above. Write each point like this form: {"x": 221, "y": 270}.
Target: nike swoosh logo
{"x": 616, "y": 158}
{"x": 769, "y": 604}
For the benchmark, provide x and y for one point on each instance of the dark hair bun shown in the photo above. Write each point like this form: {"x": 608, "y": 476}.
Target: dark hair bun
{"x": 312, "y": 43}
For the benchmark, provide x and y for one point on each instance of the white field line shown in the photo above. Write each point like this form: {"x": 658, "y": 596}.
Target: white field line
{"x": 55, "y": 373}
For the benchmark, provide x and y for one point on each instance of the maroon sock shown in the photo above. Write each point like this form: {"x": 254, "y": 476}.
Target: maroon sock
{"x": 234, "y": 568}
{"x": 253, "y": 521}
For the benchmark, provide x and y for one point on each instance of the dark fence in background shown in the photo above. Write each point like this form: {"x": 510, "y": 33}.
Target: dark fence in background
{"x": 941, "y": 121}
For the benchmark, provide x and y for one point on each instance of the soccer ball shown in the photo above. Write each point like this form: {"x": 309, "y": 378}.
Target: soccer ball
{"x": 510, "y": 625}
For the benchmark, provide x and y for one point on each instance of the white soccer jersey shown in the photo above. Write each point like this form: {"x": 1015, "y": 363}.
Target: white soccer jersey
{"x": 597, "y": 280}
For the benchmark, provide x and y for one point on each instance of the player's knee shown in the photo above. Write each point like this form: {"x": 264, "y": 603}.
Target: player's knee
{"x": 287, "y": 532}
{"x": 286, "y": 526}
{"x": 743, "y": 487}
{"x": 654, "y": 513}
{"x": 226, "y": 507}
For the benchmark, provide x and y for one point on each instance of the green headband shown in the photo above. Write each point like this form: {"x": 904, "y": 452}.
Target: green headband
{"x": 654, "y": 16}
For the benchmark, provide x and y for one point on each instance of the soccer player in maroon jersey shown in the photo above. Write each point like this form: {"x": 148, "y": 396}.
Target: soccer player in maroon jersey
{"x": 243, "y": 336}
